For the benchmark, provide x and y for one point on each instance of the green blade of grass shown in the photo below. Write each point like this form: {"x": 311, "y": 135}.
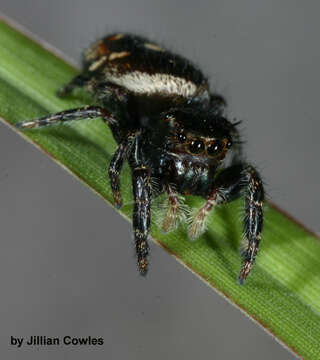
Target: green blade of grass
{"x": 283, "y": 292}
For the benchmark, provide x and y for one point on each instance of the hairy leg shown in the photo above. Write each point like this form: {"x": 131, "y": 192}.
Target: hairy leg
{"x": 170, "y": 222}
{"x": 141, "y": 215}
{"x": 243, "y": 180}
{"x": 86, "y": 112}
{"x": 198, "y": 223}
{"x": 233, "y": 182}
{"x": 116, "y": 164}
{"x": 217, "y": 102}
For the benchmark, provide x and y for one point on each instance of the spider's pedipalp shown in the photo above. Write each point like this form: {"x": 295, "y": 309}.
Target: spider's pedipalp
{"x": 198, "y": 223}
{"x": 176, "y": 210}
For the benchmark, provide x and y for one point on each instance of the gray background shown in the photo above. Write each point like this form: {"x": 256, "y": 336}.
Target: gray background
{"x": 66, "y": 265}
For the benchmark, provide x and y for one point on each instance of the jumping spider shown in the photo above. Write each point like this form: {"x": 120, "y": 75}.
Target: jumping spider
{"x": 170, "y": 128}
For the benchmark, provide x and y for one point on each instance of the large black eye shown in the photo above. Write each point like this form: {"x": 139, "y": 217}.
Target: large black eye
{"x": 214, "y": 148}
{"x": 182, "y": 137}
{"x": 196, "y": 146}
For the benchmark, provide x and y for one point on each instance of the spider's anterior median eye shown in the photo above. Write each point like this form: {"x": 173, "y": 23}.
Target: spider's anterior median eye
{"x": 214, "y": 148}
{"x": 182, "y": 137}
{"x": 196, "y": 146}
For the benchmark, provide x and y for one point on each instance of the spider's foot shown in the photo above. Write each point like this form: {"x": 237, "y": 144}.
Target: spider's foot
{"x": 142, "y": 250}
{"x": 143, "y": 265}
{"x": 27, "y": 125}
{"x": 245, "y": 271}
{"x": 117, "y": 199}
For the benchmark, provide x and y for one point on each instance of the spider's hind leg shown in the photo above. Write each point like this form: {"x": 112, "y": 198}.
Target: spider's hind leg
{"x": 78, "y": 81}
{"x": 86, "y": 112}
{"x": 217, "y": 103}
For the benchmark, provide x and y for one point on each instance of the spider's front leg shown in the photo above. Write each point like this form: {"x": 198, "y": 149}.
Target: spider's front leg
{"x": 141, "y": 214}
{"x": 115, "y": 166}
{"x": 233, "y": 182}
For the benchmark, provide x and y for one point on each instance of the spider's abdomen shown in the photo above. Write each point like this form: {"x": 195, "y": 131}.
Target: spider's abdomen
{"x": 144, "y": 68}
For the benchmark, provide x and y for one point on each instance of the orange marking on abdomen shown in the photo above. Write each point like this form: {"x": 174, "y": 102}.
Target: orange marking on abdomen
{"x": 116, "y": 37}
{"x": 103, "y": 49}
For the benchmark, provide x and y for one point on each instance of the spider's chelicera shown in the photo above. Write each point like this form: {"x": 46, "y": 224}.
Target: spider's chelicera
{"x": 171, "y": 130}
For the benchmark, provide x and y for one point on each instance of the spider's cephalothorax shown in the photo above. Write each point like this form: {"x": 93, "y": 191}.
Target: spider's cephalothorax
{"x": 171, "y": 129}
